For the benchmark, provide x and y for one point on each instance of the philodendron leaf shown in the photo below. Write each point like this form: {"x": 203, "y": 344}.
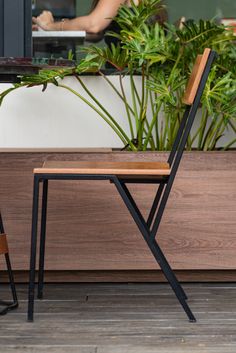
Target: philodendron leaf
{"x": 43, "y": 78}
{"x": 220, "y": 92}
{"x": 116, "y": 55}
{"x": 136, "y": 15}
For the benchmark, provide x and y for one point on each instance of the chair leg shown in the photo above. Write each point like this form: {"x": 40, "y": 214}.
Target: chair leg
{"x": 14, "y": 304}
{"x": 169, "y": 274}
{"x": 168, "y": 269}
{"x": 33, "y": 250}
{"x": 4, "y": 250}
{"x": 42, "y": 240}
{"x": 155, "y": 249}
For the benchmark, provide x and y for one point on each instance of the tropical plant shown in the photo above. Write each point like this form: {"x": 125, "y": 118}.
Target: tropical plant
{"x": 161, "y": 58}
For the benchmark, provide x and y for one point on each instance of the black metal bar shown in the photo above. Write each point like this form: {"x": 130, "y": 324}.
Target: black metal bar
{"x": 168, "y": 268}
{"x": 148, "y": 234}
{"x": 155, "y": 205}
{"x": 133, "y": 203}
{"x": 33, "y": 249}
{"x": 2, "y": 230}
{"x": 158, "y": 254}
{"x": 144, "y": 180}
{"x": 14, "y": 304}
{"x": 42, "y": 239}
{"x": 11, "y": 279}
{"x": 71, "y": 177}
{"x": 179, "y": 135}
{"x": 182, "y": 143}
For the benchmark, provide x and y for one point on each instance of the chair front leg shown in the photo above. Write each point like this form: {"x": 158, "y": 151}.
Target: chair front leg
{"x": 171, "y": 278}
{"x": 155, "y": 249}
{"x": 33, "y": 249}
{"x": 167, "y": 267}
{"x": 42, "y": 239}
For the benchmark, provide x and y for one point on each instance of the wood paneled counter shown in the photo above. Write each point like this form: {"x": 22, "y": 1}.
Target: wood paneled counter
{"x": 89, "y": 228}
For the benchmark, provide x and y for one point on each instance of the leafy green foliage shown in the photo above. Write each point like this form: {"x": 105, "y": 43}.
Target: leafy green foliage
{"x": 137, "y": 15}
{"x": 163, "y": 59}
{"x": 97, "y": 56}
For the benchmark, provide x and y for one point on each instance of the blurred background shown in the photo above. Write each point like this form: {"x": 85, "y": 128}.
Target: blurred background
{"x": 188, "y": 8}
{"x": 59, "y": 47}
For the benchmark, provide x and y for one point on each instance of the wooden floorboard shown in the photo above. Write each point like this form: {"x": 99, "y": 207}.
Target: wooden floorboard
{"x": 121, "y": 318}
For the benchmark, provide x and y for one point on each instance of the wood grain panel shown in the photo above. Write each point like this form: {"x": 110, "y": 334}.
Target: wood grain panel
{"x": 3, "y": 244}
{"x": 89, "y": 228}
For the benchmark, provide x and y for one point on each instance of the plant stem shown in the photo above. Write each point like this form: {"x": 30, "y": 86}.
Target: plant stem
{"x": 232, "y": 125}
{"x": 116, "y": 90}
{"x": 118, "y": 131}
{"x": 135, "y": 90}
{"x": 142, "y": 111}
{"x": 132, "y": 85}
{"x": 126, "y": 106}
{"x": 136, "y": 100}
{"x": 202, "y": 128}
{"x": 229, "y": 144}
{"x": 151, "y": 127}
{"x": 213, "y": 132}
{"x": 103, "y": 109}
{"x": 156, "y": 122}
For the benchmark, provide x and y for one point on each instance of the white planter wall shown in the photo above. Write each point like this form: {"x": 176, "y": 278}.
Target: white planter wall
{"x": 58, "y": 119}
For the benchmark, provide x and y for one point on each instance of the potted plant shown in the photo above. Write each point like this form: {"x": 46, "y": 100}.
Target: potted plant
{"x": 157, "y": 61}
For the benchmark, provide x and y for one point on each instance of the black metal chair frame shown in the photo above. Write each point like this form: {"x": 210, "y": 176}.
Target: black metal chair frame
{"x": 8, "y": 306}
{"x": 147, "y": 228}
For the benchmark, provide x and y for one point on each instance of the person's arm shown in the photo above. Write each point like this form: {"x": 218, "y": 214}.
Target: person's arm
{"x": 95, "y": 22}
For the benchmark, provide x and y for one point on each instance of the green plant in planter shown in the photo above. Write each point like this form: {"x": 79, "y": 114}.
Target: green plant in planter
{"x": 161, "y": 59}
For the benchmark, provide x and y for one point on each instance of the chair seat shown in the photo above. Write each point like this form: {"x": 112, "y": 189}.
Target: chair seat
{"x": 112, "y": 168}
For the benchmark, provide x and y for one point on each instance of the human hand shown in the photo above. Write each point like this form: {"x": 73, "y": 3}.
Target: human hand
{"x": 45, "y": 21}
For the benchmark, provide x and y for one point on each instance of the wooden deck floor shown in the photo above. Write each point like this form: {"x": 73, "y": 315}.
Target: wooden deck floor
{"x": 122, "y": 318}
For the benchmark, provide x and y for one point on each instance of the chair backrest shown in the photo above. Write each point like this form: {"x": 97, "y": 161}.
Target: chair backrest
{"x": 191, "y": 98}
{"x": 195, "y": 77}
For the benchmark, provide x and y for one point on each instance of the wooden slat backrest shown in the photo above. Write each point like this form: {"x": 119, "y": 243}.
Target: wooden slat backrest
{"x": 195, "y": 78}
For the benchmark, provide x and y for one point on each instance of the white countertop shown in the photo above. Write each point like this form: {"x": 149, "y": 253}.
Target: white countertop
{"x": 58, "y": 34}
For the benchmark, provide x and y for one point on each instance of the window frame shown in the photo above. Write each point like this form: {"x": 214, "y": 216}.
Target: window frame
{"x": 15, "y": 28}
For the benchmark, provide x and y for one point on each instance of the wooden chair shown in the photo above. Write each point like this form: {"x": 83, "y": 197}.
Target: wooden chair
{"x": 122, "y": 173}
{"x": 5, "y": 251}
